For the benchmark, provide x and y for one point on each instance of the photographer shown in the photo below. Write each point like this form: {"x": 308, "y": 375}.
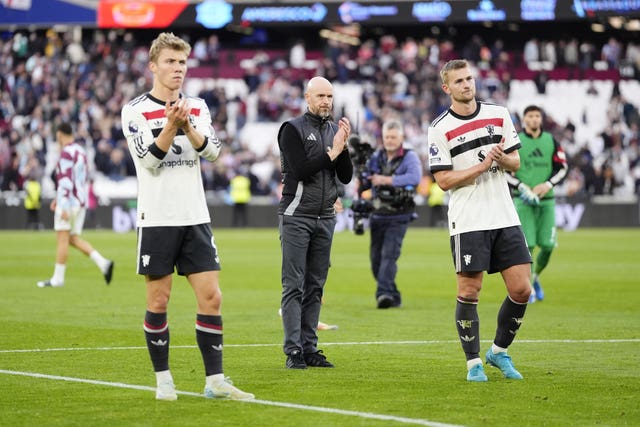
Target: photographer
{"x": 392, "y": 173}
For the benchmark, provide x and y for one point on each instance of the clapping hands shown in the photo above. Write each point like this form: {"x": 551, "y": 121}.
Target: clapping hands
{"x": 340, "y": 138}
{"x": 178, "y": 113}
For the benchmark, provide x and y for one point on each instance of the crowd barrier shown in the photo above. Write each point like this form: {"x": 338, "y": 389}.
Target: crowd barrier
{"x": 120, "y": 215}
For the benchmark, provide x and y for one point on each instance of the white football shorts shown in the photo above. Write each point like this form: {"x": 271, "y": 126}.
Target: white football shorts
{"x": 74, "y": 223}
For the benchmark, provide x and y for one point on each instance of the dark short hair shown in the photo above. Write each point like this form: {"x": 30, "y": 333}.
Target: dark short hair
{"x": 65, "y": 128}
{"x": 531, "y": 108}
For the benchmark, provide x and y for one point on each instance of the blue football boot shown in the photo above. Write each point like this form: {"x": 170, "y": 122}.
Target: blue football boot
{"x": 538, "y": 290}
{"x": 503, "y": 362}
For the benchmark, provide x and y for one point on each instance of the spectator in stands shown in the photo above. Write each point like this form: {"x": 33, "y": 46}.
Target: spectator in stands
{"x": 200, "y": 50}
{"x": 102, "y": 156}
{"x": 541, "y": 79}
{"x": 297, "y": 54}
{"x": 611, "y": 52}
{"x": 213, "y": 51}
{"x": 531, "y": 53}
{"x": 632, "y": 56}
{"x": 605, "y": 183}
{"x": 54, "y": 88}
{"x": 117, "y": 168}
{"x": 251, "y": 76}
{"x": 11, "y": 179}
{"x": 571, "y": 58}
{"x": 92, "y": 206}
{"x": 587, "y": 56}
{"x": 548, "y": 53}
{"x": 497, "y": 51}
{"x": 472, "y": 48}
{"x": 618, "y": 159}
{"x": 581, "y": 179}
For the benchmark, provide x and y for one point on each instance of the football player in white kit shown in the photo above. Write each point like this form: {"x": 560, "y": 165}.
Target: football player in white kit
{"x": 167, "y": 133}
{"x": 471, "y": 146}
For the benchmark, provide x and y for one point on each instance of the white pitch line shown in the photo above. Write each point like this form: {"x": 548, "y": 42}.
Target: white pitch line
{"x": 336, "y": 411}
{"x": 567, "y": 341}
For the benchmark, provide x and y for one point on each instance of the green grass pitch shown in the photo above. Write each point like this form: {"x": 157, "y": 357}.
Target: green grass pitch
{"x": 76, "y": 356}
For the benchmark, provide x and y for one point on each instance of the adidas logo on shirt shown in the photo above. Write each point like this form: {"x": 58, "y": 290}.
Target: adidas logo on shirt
{"x": 537, "y": 153}
{"x": 311, "y": 137}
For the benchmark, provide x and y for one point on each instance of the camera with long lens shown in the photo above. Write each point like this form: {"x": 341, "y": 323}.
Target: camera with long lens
{"x": 361, "y": 210}
{"x": 360, "y": 153}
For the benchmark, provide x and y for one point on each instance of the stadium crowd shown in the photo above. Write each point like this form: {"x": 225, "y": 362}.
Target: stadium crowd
{"x": 48, "y": 77}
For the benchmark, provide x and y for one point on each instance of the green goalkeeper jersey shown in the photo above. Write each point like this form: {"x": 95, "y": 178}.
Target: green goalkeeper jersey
{"x": 541, "y": 160}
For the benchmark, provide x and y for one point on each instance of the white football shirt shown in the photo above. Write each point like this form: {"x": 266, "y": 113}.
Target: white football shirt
{"x": 460, "y": 142}
{"x": 170, "y": 189}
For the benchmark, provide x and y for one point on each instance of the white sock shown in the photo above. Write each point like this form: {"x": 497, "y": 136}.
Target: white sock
{"x": 214, "y": 379}
{"x": 100, "y": 261}
{"x": 58, "y": 274}
{"x": 495, "y": 349}
{"x": 473, "y": 362}
{"x": 534, "y": 278}
{"x": 163, "y": 377}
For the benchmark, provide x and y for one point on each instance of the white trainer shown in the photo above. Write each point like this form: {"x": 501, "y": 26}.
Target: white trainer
{"x": 49, "y": 283}
{"x": 226, "y": 390}
{"x": 166, "y": 390}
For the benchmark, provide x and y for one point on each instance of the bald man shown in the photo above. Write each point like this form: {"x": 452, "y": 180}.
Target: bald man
{"x": 313, "y": 153}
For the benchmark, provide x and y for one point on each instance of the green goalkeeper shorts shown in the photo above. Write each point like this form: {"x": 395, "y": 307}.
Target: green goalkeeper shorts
{"x": 538, "y": 222}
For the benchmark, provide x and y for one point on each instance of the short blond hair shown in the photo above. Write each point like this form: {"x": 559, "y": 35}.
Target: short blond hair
{"x": 454, "y": 64}
{"x": 167, "y": 41}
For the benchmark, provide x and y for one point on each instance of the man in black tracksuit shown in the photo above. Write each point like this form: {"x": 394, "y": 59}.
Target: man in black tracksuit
{"x": 313, "y": 153}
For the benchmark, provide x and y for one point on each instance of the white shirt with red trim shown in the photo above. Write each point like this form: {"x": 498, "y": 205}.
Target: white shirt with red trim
{"x": 460, "y": 142}
{"x": 170, "y": 189}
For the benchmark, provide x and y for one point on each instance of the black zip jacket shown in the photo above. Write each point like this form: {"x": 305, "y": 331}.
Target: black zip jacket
{"x": 308, "y": 174}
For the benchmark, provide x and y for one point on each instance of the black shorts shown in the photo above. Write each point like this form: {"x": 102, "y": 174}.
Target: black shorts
{"x": 191, "y": 249}
{"x": 490, "y": 251}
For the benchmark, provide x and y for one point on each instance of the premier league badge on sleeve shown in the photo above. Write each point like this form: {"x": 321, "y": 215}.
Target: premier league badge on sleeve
{"x": 433, "y": 154}
{"x": 133, "y": 127}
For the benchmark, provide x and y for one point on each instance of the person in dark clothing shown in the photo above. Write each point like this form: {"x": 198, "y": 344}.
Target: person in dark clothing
{"x": 313, "y": 152}
{"x": 393, "y": 174}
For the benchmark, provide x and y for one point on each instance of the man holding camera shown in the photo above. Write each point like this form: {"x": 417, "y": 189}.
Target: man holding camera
{"x": 393, "y": 173}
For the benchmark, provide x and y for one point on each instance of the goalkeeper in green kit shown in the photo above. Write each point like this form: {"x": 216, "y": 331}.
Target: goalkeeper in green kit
{"x": 543, "y": 165}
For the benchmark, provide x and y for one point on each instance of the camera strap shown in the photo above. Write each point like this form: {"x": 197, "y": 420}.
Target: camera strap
{"x": 387, "y": 168}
